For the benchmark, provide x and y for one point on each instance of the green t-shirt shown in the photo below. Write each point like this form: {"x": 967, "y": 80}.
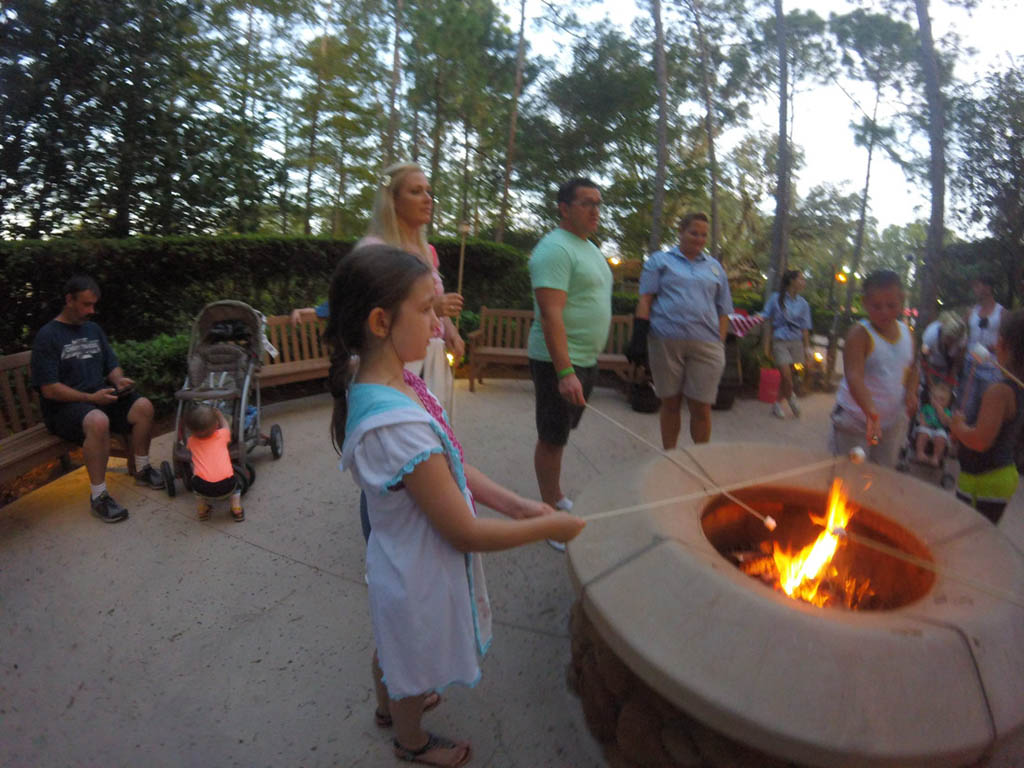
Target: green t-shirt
{"x": 566, "y": 263}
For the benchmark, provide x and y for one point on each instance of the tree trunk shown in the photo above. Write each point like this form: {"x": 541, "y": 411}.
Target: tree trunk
{"x": 437, "y": 136}
{"x": 858, "y": 242}
{"x": 389, "y": 138}
{"x": 661, "y": 73}
{"x": 936, "y": 165}
{"x": 780, "y": 225}
{"x": 709, "y": 128}
{"x": 499, "y": 234}
{"x": 311, "y": 149}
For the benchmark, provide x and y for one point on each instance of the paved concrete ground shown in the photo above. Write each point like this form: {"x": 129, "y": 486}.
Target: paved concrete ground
{"x": 163, "y": 641}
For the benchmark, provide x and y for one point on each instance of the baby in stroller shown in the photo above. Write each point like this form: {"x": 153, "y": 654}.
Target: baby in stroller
{"x": 214, "y": 476}
{"x": 933, "y": 420}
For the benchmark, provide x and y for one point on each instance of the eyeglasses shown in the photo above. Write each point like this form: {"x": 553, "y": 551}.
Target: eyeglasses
{"x": 983, "y": 323}
{"x": 588, "y": 204}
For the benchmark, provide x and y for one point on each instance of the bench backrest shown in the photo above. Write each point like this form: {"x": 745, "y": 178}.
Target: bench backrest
{"x": 19, "y": 403}
{"x": 510, "y": 329}
{"x": 295, "y": 342}
{"x": 505, "y": 328}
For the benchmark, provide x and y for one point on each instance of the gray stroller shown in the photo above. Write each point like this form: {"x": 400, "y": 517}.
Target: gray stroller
{"x": 225, "y": 352}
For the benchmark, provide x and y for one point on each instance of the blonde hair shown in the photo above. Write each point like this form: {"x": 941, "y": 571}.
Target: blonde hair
{"x": 384, "y": 224}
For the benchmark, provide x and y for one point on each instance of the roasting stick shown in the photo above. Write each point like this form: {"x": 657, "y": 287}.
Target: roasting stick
{"x": 981, "y": 354}
{"x": 768, "y": 520}
{"x": 927, "y": 565}
{"x": 857, "y": 456}
{"x": 722, "y": 489}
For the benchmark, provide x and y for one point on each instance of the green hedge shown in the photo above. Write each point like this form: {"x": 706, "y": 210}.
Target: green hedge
{"x": 158, "y": 367}
{"x": 153, "y": 286}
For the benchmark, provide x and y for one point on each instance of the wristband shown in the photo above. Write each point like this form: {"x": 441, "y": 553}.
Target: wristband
{"x": 566, "y": 372}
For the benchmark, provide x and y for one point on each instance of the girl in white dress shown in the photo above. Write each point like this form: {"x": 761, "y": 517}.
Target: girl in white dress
{"x": 428, "y": 601}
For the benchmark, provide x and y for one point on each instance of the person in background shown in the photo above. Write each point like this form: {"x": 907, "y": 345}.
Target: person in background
{"x": 572, "y": 308}
{"x": 878, "y": 392}
{"x": 213, "y": 475}
{"x": 85, "y": 395}
{"x": 987, "y": 428}
{"x": 787, "y": 335}
{"x": 933, "y": 420}
{"x": 684, "y": 306}
{"x": 942, "y": 347}
{"x": 401, "y": 212}
{"x": 984, "y": 318}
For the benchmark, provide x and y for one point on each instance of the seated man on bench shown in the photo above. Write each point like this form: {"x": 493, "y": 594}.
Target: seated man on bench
{"x": 85, "y": 395}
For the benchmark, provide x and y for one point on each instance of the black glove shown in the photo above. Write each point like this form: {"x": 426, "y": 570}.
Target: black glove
{"x": 636, "y": 350}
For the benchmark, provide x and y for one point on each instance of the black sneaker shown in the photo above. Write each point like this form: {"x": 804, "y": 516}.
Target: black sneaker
{"x": 106, "y": 509}
{"x": 149, "y": 477}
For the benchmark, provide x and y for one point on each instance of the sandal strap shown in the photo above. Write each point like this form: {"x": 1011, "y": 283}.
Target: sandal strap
{"x": 433, "y": 742}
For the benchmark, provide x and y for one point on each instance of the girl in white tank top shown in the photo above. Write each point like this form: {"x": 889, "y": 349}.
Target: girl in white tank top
{"x": 887, "y": 369}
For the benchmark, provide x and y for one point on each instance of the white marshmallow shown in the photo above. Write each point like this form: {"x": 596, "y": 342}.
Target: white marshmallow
{"x": 858, "y": 455}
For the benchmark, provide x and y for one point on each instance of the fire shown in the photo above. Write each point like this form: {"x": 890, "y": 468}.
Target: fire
{"x": 801, "y": 575}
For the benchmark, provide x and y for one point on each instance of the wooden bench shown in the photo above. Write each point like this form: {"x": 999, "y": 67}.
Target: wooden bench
{"x": 503, "y": 334}
{"x": 302, "y": 352}
{"x": 25, "y": 442}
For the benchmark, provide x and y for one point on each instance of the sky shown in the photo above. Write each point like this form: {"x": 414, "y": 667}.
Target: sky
{"x": 822, "y": 114}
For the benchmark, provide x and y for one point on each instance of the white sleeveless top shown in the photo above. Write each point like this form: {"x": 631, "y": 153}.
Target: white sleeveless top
{"x": 987, "y": 335}
{"x": 886, "y": 369}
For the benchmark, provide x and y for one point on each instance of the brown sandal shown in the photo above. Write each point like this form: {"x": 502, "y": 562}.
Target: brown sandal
{"x": 384, "y": 720}
{"x": 433, "y": 742}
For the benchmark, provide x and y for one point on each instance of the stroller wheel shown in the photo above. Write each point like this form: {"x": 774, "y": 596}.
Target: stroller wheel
{"x": 243, "y": 479}
{"x": 168, "y": 475}
{"x": 250, "y": 472}
{"x": 186, "y": 476}
{"x": 276, "y": 441}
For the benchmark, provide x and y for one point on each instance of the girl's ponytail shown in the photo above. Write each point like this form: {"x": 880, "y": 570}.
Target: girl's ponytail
{"x": 368, "y": 277}
{"x": 337, "y": 380}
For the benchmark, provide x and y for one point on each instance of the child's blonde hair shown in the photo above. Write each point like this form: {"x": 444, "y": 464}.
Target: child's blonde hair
{"x": 939, "y": 390}
{"x": 201, "y": 420}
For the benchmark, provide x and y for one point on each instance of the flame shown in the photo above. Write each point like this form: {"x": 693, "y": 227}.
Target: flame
{"x": 801, "y": 575}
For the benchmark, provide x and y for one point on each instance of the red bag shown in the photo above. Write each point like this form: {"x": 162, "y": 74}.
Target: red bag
{"x": 768, "y": 386}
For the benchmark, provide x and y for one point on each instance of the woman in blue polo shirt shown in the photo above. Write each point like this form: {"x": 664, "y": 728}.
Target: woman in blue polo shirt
{"x": 685, "y": 302}
{"x": 787, "y": 334}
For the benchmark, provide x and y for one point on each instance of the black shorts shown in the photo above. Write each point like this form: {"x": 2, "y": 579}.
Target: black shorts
{"x": 65, "y": 420}
{"x": 217, "y": 490}
{"x": 556, "y": 415}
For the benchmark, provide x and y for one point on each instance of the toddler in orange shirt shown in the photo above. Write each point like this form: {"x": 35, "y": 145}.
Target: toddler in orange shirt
{"x": 213, "y": 475}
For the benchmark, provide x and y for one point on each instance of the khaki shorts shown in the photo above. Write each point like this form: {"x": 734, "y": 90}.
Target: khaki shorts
{"x": 787, "y": 351}
{"x": 849, "y": 431}
{"x": 692, "y": 368}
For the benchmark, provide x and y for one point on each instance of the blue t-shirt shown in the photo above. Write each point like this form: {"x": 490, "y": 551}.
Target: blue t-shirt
{"x": 689, "y": 296}
{"x": 78, "y": 356}
{"x": 790, "y": 321}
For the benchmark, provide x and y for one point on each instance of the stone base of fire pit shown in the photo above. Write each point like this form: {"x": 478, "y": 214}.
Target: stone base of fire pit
{"x": 637, "y": 726}
{"x": 935, "y": 682}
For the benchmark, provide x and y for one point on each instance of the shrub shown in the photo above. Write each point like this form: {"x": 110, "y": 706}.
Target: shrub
{"x": 153, "y": 285}
{"x": 158, "y": 366}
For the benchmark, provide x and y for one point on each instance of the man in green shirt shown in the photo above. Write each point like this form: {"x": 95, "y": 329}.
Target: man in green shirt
{"x": 572, "y": 288}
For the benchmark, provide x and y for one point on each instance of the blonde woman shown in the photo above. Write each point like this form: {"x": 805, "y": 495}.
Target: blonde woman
{"x": 401, "y": 212}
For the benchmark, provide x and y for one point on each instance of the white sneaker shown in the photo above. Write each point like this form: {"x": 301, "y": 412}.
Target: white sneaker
{"x": 794, "y": 406}
{"x": 777, "y": 411}
{"x": 565, "y": 505}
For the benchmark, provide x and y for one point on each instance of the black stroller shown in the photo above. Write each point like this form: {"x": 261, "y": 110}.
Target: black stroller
{"x": 225, "y": 352}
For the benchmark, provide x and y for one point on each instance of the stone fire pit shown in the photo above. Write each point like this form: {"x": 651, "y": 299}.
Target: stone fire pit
{"x": 936, "y": 681}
